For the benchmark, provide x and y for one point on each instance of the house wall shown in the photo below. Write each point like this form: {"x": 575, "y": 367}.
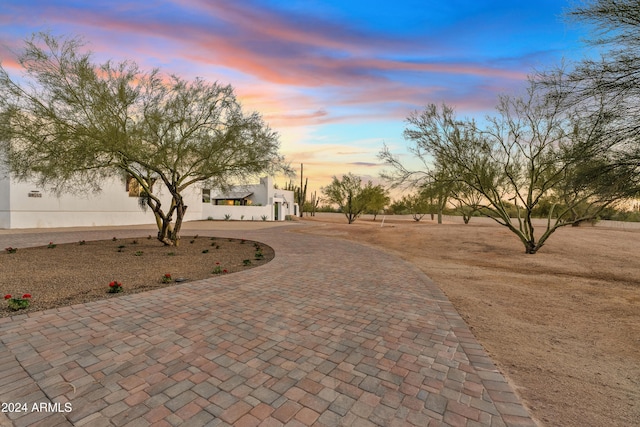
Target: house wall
{"x": 264, "y": 196}
{"x": 284, "y": 198}
{"x": 111, "y": 206}
{"x": 5, "y": 193}
{"x": 19, "y": 208}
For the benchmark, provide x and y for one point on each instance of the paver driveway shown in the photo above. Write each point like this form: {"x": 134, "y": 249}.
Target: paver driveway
{"x": 328, "y": 333}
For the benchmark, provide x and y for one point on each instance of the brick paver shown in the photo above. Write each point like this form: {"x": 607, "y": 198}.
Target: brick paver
{"x": 329, "y": 333}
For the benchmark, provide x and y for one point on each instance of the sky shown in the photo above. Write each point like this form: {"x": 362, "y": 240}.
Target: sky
{"x": 336, "y": 79}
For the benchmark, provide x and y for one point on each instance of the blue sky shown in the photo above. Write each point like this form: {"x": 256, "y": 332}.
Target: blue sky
{"x": 336, "y": 79}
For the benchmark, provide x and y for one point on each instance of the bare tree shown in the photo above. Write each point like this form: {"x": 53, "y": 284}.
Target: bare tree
{"x": 68, "y": 123}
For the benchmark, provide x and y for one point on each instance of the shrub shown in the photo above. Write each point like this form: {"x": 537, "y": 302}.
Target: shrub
{"x": 115, "y": 287}
{"x": 18, "y": 303}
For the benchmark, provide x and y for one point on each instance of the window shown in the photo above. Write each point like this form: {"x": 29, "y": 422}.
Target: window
{"x": 134, "y": 188}
{"x": 206, "y": 195}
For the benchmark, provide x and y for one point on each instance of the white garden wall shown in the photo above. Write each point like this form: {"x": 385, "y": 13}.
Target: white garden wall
{"x": 237, "y": 213}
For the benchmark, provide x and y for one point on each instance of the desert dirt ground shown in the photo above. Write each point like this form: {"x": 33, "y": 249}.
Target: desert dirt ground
{"x": 75, "y": 273}
{"x": 563, "y": 325}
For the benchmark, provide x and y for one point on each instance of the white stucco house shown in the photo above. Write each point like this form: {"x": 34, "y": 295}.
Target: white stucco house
{"x": 24, "y": 205}
{"x": 249, "y": 202}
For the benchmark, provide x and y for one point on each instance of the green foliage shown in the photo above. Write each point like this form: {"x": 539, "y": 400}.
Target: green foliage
{"x": 352, "y": 198}
{"x": 69, "y": 122}
{"x": 377, "y": 199}
{"x": 18, "y": 303}
{"x": 417, "y": 205}
{"x": 327, "y": 208}
{"x": 534, "y": 157}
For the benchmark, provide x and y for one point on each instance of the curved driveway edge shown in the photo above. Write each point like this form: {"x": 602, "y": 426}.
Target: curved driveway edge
{"x": 328, "y": 333}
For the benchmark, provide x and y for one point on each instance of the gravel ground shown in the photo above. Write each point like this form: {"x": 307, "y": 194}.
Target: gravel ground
{"x": 80, "y": 272}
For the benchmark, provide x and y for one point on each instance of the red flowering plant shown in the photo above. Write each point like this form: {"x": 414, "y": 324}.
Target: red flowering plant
{"x": 167, "y": 278}
{"x": 18, "y": 303}
{"x": 11, "y": 250}
{"x": 115, "y": 287}
{"x": 218, "y": 269}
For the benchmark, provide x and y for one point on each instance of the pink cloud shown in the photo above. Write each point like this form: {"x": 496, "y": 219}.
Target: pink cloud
{"x": 279, "y": 50}
{"x": 296, "y": 72}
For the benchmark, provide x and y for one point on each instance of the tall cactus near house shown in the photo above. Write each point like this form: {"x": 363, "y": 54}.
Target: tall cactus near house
{"x": 302, "y": 190}
{"x": 315, "y": 201}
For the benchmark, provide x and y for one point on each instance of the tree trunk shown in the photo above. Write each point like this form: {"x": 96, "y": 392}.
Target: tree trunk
{"x": 175, "y": 234}
{"x": 163, "y": 232}
{"x": 163, "y": 221}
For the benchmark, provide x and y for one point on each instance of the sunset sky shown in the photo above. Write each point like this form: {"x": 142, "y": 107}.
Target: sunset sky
{"x": 335, "y": 78}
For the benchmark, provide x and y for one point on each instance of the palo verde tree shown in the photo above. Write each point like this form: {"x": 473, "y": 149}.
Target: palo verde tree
{"x": 378, "y": 199}
{"x": 466, "y": 200}
{"x": 416, "y": 204}
{"x": 68, "y": 123}
{"x": 350, "y": 195}
{"x": 437, "y": 190}
{"x": 611, "y": 80}
{"x": 533, "y": 149}
{"x": 434, "y": 180}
